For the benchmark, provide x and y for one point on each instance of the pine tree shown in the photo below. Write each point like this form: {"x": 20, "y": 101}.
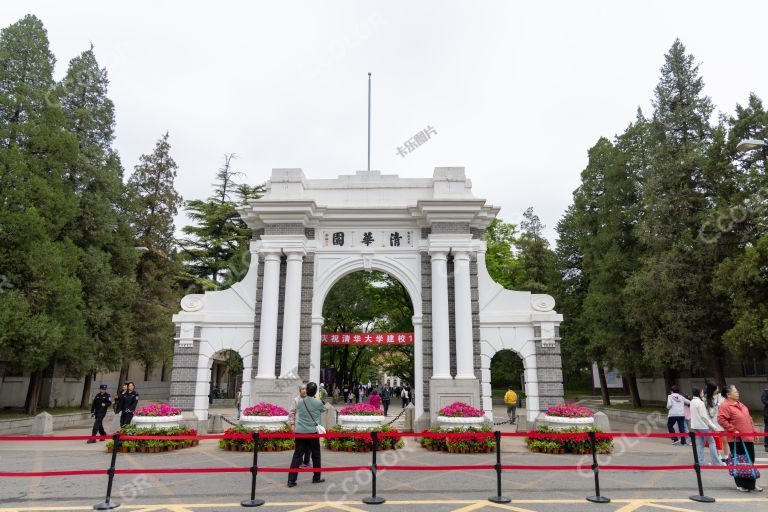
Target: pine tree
{"x": 100, "y": 228}
{"x": 155, "y": 202}
{"x": 503, "y": 265}
{"x": 535, "y": 254}
{"x": 216, "y": 249}
{"x": 40, "y": 315}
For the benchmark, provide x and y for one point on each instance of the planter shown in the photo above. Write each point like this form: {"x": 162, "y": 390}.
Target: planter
{"x": 560, "y": 423}
{"x": 263, "y": 422}
{"x": 450, "y": 423}
{"x": 156, "y": 421}
{"x": 360, "y": 422}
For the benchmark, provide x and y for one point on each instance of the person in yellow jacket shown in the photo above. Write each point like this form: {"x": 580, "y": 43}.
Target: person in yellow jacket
{"x": 510, "y": 398}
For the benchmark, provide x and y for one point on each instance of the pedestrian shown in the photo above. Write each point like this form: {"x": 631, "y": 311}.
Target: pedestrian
{"x": 239, "y": 400}
{"x": 510, "y": 398}
{"x": 129, "y": 404}
{"x": 117, "y": 406}
{"x": 676, "y": 404}
{"x": 99, "y": 409}
{"x": 701, "y": 424}
{"x": 687, "y": 413}
{"x": 292, "y": 419}
{"x": 735, "y": 418}
{"x": 374, "y": 399}
{"x": 764, "y": 398}
{"x": 386, "y": 395}
{"x": 308, "y": 416}
{"x": 713, "y": 401}
{"x": 360, "y": 394}
{"x": 346, "y": 395}
{"x": 351, "y": 397}
{"x": 405, "y": 396}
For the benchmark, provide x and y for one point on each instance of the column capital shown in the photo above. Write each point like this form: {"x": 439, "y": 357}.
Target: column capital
{"x": 295, "y": 254}
{"x": 461, "y": 254}
{"x": 438, "y": 254}
{"x": 271, "y": 254}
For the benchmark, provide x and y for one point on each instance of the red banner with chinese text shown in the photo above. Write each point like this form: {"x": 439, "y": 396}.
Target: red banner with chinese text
{"x": 362, "y": 338}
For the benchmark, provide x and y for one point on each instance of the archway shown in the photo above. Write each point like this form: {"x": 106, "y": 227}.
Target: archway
{"x": 367, "y": 337}
{"x": 507, "y": 369}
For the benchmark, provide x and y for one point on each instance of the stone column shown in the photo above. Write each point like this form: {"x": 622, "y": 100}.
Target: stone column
{"x": 289, "y": 361}
{"x": 441, "y": 357}
{"x": 463, "y": 308}
{"x": 418, "y": 363}
{"x": 269, "y": 303}
{"x": 314, "y": 355}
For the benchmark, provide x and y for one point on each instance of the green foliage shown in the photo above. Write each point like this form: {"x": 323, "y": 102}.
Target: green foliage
{"x": 356, "y": 444}
{"x": 506, "y": 369}
{"x": 503, "y": 265}
{"x": 216, "y": 248}
{"x": 543, "y": 443}
{"x": 480, "y": 444}
{"x": 239, "y": 437}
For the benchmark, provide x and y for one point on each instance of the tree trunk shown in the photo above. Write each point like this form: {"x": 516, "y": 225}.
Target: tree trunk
{"x": 634, "y": 391}
{"x": 85, "y": 400}
{"x": 147, "y": 369}
{"x": 603, "y": 384}
{"x": 163, "y": 371}
{"x": 33, "y": 392}
{"x": 720, "y": 372}
{"x": 669, "y": 380}
{"x": 123, "y": 375}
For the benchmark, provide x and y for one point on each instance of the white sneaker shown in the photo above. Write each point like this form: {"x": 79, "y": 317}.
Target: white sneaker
{"x": 674, "y": 443}
{"x": 758, "y": 489}
{"x": 741, "y": 489}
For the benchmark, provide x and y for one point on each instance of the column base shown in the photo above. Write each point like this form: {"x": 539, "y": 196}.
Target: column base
{"x": 443, "y": 392}
{"x": 275, "y": 391}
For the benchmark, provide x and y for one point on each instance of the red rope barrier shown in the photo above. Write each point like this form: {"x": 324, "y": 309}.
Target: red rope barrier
{"x": 338, "y": 469}
{"x": 435, "y": 468}
{"x": 79, "y": 472}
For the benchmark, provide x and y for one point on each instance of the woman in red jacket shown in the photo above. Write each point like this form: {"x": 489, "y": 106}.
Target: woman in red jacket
{"x": 734, "y": 417}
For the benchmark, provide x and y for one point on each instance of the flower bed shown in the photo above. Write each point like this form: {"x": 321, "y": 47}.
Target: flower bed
{"x": 478, "y": 445}
{"x": 240, "y": 439}
{"x": 545, "y": 444}
{"x": 157, "y": 416}
{"x": 565, "y": 416}
{"x": 569, "y": 411}
{"x": 361, "y": 417}
{"x": 154, "y": 445}
{"x": 264, "y": 409}
{"x": 460, "y": 415}
{"x": 353, "y": 444}
{"x": 264, "y": 416}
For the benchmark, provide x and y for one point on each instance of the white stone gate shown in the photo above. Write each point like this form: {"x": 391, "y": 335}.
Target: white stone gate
{"x": 427, "y": 233}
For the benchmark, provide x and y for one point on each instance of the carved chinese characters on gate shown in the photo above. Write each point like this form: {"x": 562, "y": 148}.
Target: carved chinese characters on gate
{"x": 367, "y": 238}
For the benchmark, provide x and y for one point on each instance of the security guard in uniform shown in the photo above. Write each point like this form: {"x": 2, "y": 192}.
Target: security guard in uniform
{"x": 99, "y": 409}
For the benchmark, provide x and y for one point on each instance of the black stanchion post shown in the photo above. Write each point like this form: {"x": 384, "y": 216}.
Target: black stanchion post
{"x": 373, "y": 499}
{"x": 697, "y": 467}
{"x": 253, "y": 502}
{"x": 498, "y": 498}
{"x": 108, "y": 503}
{"x": 596, "y": 470}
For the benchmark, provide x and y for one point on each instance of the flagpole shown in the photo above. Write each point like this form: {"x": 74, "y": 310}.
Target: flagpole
{"x": 369, "y": 121}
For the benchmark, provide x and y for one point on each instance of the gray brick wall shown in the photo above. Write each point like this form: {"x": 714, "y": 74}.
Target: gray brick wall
{"x": 309, "y": 233}
{"x": 451, "y": 315}
{"x": 422, "y": 388}
{"x": 184, "y": 375}
{"x": 550, "y": 374}
{"x": 475, "y": 314}
{"x": 305, "y": 333}
{"x": 450, "y": 228}
{"x": 284, "y": 229}
{"x": 257, "y": 316}
{"x": 477, "y": 233}
{"x": 280, "y": 313}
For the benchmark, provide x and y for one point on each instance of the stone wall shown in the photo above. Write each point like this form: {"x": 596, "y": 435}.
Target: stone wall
{"x": 184, "y": 375}
{"x": 550, "y": 374}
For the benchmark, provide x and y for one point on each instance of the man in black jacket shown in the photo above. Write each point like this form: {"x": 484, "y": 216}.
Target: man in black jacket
{"x": 765, "y": 417}
{"x": 99, "y": 409}
{"x": 129, "y": 403}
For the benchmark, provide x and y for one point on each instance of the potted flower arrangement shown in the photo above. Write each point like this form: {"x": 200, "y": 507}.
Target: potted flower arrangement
{"x": 477, "y": 444}
{"x": 264, "y": 416}
{"x": 157, "y": 415}
{"x": 539, "y": 441}
{"x": 568, "y": 415}
{"x": 361, "y": 416}
{"x": 460, "y": 415}
{"x": 240, "y": 439}
{"x": 154, "y": 445}
{"x": 362, "y": 445}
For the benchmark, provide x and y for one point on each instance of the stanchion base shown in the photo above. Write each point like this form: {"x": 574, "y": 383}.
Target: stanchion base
{"x": 106, "y": 506}
{"x": 598, "y": 499}
{"x": 374, "y": 500}
{"x": 499, "y": 499}
{"x": 702, "y": 499}
{"x": 252, "y": 503}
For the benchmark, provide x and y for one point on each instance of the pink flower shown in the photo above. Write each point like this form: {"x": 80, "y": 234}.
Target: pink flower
{"x": 265, "y": 409}
{"x": 460, "y": 410}
{"x": 361, "y": 410}
{"x": 569, "y": 411}
{"x": 158, "y": 410}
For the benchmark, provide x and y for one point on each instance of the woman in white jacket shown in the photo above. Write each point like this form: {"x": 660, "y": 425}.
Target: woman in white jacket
{"x": 702, "y": 424}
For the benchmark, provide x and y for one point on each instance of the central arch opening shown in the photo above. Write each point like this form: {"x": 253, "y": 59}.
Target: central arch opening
{"x": 377, "y": 307}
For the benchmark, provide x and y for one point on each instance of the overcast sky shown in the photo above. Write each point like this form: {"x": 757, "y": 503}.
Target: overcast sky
{"x": 516, "y": 91}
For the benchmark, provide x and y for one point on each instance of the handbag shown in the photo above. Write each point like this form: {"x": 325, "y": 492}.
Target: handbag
{"x": 320, "y": 429}
{"x": 742, "y": 460}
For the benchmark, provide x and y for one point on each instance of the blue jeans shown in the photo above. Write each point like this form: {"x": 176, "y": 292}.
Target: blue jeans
{"x": 680, "y": 420}
{"x": 701, "y": 438}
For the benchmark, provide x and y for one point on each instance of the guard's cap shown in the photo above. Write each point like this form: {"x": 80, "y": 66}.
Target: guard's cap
{"x": 103, "y": 386}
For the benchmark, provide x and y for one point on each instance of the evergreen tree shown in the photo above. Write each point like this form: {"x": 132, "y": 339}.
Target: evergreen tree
{"x": 536, "y": 256}
{"x": 40, "y": 316}
{"x": 100, "y": 228}
{"x": 216, "y": 249}
{"x": 155, "y": 202}
{"x": 503, "y": 265}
